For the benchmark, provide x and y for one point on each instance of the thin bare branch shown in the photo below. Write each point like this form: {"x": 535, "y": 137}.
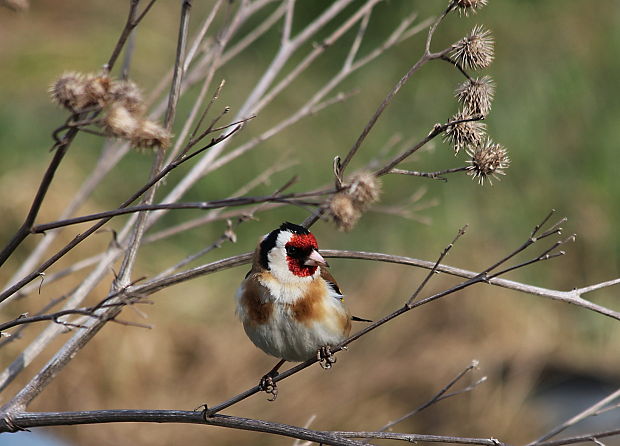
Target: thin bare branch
{"x": 437, "y": 175}
{"x": 426, "y": 57}
{"x": 437, "y": 397}
{"x": 585, "y": 438}
{"x": 590, "y": 411}
{"x": 81, "y": 237}
{"x": 438, "y": 129}
{"x": 204, "y": 205}
{"x": 437, "y": 263}
{"x": 25, "y": 420}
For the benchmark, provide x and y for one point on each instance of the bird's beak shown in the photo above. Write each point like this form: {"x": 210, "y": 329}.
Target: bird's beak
{"x": 315, "y": 259}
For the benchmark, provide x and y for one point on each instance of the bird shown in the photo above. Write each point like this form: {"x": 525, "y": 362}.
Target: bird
{"x": 290, "y": 305}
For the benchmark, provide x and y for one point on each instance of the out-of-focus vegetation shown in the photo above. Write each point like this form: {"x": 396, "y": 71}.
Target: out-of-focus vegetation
{"x": 556, "y": 111}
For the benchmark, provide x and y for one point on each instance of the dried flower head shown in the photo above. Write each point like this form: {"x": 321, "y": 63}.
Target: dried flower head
{"x": 476, "y": 95}
{"x": 343, "y": 211}
{"x": 467, "y": 6}
{"x": 97, "y": 88}
{"x": 120, "y": 122}
{"x": 69, "y": 91}
{"x": 128, "y": 94}
{"x": 150, "y": 135}
{"x": 464, "y": 134}
{"x": 474, "y": 50}
{"x": 488, "y": 159}
{"x": 364, "y": 189}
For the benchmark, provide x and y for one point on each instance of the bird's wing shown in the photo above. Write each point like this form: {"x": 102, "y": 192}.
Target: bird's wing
{"x": 331, "y": 282}
{"x": 327, "y": 277}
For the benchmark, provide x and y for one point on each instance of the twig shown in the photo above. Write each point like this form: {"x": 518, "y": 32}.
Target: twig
{"x": 78, "y": 239}
{"x": 592, "y": 410}
{"x": 24, "y": 230}
{"x": 132, "y": 22}
{"x": 426, "y": 57}
{"x": 25, "y": 420}
{"x": 437, "y": 263}
{"x": 179, "y": 64}
{"x": 437, "y": 130}
{"x": 414, "y": 438}
{"x": 434, "y": 175}
{"x": 585, "y": 438}
{"x": 228, "y": 202}
{"x": 438, "y": 396}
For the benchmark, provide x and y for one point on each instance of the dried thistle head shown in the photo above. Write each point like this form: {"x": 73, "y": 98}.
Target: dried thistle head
{"x": 364, "y": 189}
{"x": 474, "y": 50}
{"x": 69, "y": 91}
{"x": 464, "y": 134}
{"x": 97, "y": 88}
{"x": 120, "y": 122}
{"x": 488, "y": 159}
{"x": 149, "y": 135}
{"x": 128, "y": 94}
{"x": 476, "y": 95}
{"x": 467, "y": 6}
{"x": 343, "y": 211}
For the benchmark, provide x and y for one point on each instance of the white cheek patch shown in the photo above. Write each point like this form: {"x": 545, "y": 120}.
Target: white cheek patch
{"x": 277, "y": 258}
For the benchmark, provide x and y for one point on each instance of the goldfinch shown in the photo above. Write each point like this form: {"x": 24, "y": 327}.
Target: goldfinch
{"x": 289, "y": 303}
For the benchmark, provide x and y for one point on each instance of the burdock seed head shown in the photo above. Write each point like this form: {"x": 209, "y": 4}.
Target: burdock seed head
{"x": 343, "y": 211}
{"x": 120, "y": 122}
{"x": 467, "y": 6}
{"x": 97, "y": 87}
{"x": 466, "y": 133}
{"x": 476, "y": 95}
{"x": 149, "y": 135}
{"x": 364, "y": 189}
{"x": 474, "y": 50}
{"x": 488, "y": 159}
{"x": 128, "y": 94}
{"x": 69, "y": 91}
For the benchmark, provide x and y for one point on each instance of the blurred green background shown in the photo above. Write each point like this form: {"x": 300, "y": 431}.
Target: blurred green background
{"x": 556, "y": 111}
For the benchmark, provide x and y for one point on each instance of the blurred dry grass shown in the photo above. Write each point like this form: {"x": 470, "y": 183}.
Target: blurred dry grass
{"x": 197, "y": 351}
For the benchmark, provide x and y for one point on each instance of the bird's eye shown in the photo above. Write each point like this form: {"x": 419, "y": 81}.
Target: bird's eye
{"x": 293, "y": 251}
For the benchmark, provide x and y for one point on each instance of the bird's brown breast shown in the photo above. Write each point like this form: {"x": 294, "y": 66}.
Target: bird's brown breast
{"x": 310, "y": 306}
{"x": 258, "y": 311}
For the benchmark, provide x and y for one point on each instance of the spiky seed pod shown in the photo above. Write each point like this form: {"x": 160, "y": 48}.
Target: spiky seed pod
{"x": 474, "y": 50}
{"x": 476, "y": 95}
{"x": 69, "y": 91}
{"x": 120, "y": 122}
{"x": 467, "y": 6}
{"x": 487, "y": 160}
{"x": 97, "y": 89}
{"x": 150, "y": 135}
{"x": 343, "y": 211}
{"x": 364, "y": 189}
{"x": 128, "y": 94}
{"x": 464, "y": 134}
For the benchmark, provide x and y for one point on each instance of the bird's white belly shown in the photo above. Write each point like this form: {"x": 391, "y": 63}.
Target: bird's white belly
{"x": 286, "y": 338}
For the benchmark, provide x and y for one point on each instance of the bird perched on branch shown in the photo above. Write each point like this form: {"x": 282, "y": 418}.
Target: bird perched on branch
{"x": 289, "y": 303}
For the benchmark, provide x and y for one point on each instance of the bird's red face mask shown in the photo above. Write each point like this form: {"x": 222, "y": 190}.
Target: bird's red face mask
{"x": 302, "y": 255}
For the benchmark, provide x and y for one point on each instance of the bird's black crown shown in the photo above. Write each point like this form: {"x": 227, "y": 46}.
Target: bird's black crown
{"x": 270, "y": 240}
{"x": 295, "y": 229}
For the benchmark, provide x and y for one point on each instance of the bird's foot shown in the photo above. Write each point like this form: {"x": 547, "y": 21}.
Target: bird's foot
{"x": 268, "y": 385}
{"x": 325, "y": 357}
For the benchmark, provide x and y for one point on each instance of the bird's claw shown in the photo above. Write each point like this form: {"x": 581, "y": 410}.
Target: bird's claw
{"x": 268, "y": 385}
{"x": 325, "y": 357}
